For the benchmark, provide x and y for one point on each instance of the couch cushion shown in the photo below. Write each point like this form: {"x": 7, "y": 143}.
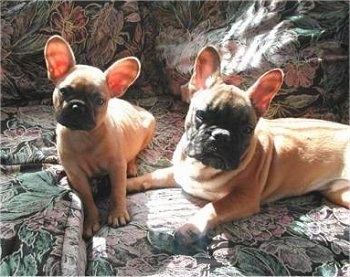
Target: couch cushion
{"x": 300, "y": 236}
{"x": 41, "y": 234}
{"x": 41, "y": 226}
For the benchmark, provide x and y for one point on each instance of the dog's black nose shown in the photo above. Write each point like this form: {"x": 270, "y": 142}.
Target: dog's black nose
{"x": 221, "y": 135}
{"x": 75, "y": 106}
{"x": 78, "y": 106}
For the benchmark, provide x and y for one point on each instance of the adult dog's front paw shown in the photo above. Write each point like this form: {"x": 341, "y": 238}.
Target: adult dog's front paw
{"x": 188, "y": 234}
{"x": 118, "y": 217}
{"x": 196, "y": 227}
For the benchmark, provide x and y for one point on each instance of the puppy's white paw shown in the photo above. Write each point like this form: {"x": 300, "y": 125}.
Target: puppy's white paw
{"x": 118, "y": 218}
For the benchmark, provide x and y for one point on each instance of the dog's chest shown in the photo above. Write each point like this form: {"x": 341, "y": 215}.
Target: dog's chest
{"x": 88, "y": 165}
{"x": 80, "y": 155}
{"x": 200, "y": 181}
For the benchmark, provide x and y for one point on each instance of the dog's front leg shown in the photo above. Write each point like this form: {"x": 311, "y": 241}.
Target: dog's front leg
{"x": 118, "y": 214}
{"x": 235, "y": 205}
{"x": 91, "y": 214}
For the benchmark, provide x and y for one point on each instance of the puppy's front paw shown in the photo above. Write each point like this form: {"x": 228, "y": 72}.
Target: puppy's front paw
{"x": 188, "y": 234}
{"x": 91, "y": 226}
{"x": 118, "y": 217}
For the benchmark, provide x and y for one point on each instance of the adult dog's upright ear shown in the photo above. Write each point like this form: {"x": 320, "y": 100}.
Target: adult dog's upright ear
{"x": 264, "y": 90}
{"x": 59, "y": 58}
{"x": 122, "y": 74}
{"x": 206, "y": 71}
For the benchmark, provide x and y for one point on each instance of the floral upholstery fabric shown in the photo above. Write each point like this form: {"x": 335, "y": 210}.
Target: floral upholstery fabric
{"x": 41, "y": 217}
{"x": 309, "y": 40}
{"x": 99, "y": 32}
{"x": 41, "y": 223}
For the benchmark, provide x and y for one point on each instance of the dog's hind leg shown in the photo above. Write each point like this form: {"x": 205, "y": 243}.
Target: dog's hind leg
{"x": 131, "y": 168}
{"x": 160, "y": 178}
{"x": 338, "y": 191}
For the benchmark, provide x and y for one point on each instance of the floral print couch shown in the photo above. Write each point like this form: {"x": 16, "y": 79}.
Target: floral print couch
{"x": 41, "y": 216}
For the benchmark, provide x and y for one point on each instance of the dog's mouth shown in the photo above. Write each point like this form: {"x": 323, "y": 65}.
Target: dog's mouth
{"x": 75, "y": 122}
{"x": 215, "y": 161}
{"x": 76, "y": 126}
{"x": 210, "y": 156}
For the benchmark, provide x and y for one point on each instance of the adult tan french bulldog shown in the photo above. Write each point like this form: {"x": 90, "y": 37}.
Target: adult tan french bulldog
{"x": 238, "y": 160}
{"x": 96, "y": 132}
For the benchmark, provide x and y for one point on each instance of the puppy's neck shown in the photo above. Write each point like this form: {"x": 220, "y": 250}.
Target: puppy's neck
{"x": 92, "y": 137}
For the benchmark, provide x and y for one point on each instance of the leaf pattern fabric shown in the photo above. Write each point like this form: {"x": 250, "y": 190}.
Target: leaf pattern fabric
{"x": 309, "y": 40}
{"x": 41, "y": 217}
{"x": 281, "y": 240}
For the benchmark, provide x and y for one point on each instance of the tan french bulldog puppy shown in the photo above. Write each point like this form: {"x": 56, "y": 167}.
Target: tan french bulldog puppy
{"x": 97, "y": 133}
{"x": 237, "y": 160}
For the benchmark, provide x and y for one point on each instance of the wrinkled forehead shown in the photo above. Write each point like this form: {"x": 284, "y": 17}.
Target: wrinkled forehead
{"x": 224, "y": 103}
{"x": 220, "y": 96}
{"x": 85, "y": 74}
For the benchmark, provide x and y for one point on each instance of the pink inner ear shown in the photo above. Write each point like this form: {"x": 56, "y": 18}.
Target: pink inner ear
{"x": 58, "y": 66}
{"x": 118, "y": 82}
{"x": 59, "y": 59}
{"x": 207, "y": 64}
{"x": 263, "y": 103}
{"x": 121, "y": 75}
{"x": 265, "y": 89}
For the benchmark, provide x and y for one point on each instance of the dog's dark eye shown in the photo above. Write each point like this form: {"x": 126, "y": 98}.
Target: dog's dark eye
{"x": 200, "y": 115}
{"x": 248, "y": 129}
{"x": 65, "y": 91}
{"x": 99, "y": 101}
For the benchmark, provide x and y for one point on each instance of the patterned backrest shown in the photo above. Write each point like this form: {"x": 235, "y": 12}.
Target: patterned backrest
{"x": 99, "y": 33}
{"x": 307, "y": 39}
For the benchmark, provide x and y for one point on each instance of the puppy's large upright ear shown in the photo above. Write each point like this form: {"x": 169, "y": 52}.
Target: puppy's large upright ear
{"x": 59, "y": 58}
{"x": 122, "y": 74}
{"x": 264, "y": 89}
{"x": 206, "y": 68}
{"x": 205, "y": 72}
